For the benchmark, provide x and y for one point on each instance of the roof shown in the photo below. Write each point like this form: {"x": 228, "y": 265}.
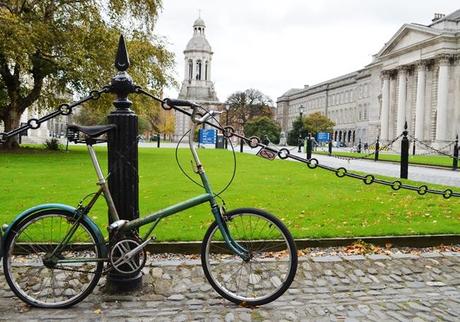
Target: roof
{"x": 198, "y": 42}
{"x": 199, "y": 23}
{"x": 454, "y": 16}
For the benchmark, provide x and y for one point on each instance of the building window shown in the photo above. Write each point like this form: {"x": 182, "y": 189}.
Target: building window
{"x": 206, "y": 71}
{"x": 190, "y": 69}
{"x": 198, "y": 71}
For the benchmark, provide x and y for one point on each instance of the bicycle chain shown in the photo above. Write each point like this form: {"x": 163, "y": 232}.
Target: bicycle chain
{"x": 313, "y": 163}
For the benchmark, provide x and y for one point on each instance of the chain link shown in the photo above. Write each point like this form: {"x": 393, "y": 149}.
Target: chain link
{"x": 386, "y": 147}
{"x": 284, "y": 153}
{"x": 63, "y": 109}
{"x": 434, "y": 150}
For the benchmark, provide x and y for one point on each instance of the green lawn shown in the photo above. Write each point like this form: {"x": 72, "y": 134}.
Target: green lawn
{"x": 414, "y": 159}
{"x": 313, "y": 203}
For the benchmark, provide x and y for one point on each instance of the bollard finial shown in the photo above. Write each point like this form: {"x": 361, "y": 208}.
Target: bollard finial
{"x": 405, "y": 125}
{"x": 122, "y": 59}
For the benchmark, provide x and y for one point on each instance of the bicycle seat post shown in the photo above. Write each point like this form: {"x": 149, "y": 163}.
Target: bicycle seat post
{"x": 101, "y": 181}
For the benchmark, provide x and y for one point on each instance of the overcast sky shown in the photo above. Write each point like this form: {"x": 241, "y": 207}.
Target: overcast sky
{"x": 275, "y": 45}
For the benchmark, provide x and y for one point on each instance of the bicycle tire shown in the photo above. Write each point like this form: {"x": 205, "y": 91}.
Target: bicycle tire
{"x": 25, "y": 258}
{"x": 271, "y": 268}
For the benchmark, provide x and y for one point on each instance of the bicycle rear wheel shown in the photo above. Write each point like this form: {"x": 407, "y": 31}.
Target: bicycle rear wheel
{"x": 44, "y": 278}
{"x": 273, "y": 258}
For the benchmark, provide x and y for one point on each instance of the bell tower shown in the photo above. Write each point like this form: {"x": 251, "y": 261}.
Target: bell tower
{"x": 197, "y": 85}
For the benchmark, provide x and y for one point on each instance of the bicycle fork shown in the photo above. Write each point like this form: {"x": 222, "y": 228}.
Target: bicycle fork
{"x": 231, "y": 243}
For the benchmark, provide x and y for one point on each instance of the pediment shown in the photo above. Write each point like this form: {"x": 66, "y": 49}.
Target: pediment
{"x": 407, "y": 36}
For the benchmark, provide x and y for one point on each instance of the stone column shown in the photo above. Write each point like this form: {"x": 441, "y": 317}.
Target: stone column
{"x": 441, "y": 109}
{"x": 401, "y": 100}
{"x": 456, "y": 118}
{"x": 384, "y": 117}
{"x": 420, "y": 100}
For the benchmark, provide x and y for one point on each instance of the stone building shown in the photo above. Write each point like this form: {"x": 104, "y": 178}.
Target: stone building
{"x": 197, "y": 85}
{"x": 55, "y": 127}
{"x": 415, "y": 77}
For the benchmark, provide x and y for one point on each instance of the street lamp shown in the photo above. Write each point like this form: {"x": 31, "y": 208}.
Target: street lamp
{"x": 301, "y": 128}
{"x": 227, "y": 108}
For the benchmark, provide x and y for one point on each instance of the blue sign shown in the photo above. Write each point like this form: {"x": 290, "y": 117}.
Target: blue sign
{"x": 323, "y": 137}
{"x": 207, "y": 136}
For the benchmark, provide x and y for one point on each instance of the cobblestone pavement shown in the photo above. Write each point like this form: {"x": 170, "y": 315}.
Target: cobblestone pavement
{"x": 400, "y": 287}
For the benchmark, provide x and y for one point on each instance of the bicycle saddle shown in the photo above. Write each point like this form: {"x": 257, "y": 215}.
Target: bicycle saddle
{"x": 92, "y": 131}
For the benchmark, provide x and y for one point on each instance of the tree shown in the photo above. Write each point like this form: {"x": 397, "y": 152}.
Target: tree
{"x": 51, "y": 48}
{"x": 247, "y": 105}
{"x": 263, "y": 127}
{"x": 317, "y": 122}
{"x": 313, "y": 123}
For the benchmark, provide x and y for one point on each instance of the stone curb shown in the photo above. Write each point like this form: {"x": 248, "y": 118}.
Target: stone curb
{"x": 417, "y": 241}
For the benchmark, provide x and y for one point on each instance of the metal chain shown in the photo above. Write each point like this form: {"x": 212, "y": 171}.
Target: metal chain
{"x": 63, "y": 109}
{"x": 341, "y": 172}
{"x": 433, "y": 149}
{"x": 366, "y": 156}
{"x": 277, "y": 146}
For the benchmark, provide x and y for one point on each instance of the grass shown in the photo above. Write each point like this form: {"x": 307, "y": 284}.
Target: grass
{"x": 438, "y": 160}
{"x": 312, "y": 203}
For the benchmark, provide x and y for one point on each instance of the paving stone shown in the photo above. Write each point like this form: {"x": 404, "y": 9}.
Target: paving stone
{"x": 404, "y": 256}
{"x": 431, "y": 255}
{"x": 376, "y": 257}
{"x": 327, "y": 259}
{"x": 353, "y": 257}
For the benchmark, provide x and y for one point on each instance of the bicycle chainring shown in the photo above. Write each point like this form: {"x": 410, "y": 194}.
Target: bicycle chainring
{"x": 124, "y": 263}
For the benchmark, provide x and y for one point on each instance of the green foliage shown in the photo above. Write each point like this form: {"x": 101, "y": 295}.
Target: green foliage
{"x": 317, "y": 122}
{"x": 263, "y": 127}
{"x": 247, "y": 105}
{"x": 52, "y": 49}
{"x": 52, "y": 145}
{"x": 297, "y": 128}
{"x": 313, "y": 123}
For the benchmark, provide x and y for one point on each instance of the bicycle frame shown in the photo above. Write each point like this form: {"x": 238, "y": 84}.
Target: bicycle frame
{"x": 171, "y": 210}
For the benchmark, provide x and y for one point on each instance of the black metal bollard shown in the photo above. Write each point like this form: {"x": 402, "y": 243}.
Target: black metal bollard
{"x": 241, "y": 145}
{"x": 123, "y": 159}
{"x": 158, "y": 140}
{"x": 299, "y": 150}
{"x": 404, "y": 154}
{"x": 309, "y": 146}
{"x": 455, "y": 159}
{"x": 413, "y": 148}
{"x": 377, "y": 148}
{"x": 329, "y": 147}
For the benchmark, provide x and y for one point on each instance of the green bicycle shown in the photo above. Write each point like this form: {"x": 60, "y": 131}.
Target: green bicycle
{"x": 54, "y": 254}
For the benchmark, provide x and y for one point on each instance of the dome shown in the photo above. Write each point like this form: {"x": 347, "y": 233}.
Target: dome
{"x": 199, "y": 23}
{"x": 198, "y": 43}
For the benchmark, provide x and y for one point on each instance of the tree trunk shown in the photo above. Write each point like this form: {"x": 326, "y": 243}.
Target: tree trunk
{"x": 11, "y": 122}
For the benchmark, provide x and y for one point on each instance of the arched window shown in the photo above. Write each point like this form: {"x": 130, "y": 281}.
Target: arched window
{"x": 190, "y": 69}
{"x": 198, "y": 69}
{"x": 206, "y": 71}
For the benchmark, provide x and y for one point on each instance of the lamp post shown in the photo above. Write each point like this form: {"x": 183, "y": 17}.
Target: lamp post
{"x": 227, "y": 108}
{"x": 301, "y": 128}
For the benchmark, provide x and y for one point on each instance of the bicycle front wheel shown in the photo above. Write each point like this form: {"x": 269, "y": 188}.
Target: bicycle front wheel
{"x": 44, "y": 274}
{"x": 271, "y": 267}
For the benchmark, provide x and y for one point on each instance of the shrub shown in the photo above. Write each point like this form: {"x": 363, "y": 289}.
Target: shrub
{"x": 53, "y": 144}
